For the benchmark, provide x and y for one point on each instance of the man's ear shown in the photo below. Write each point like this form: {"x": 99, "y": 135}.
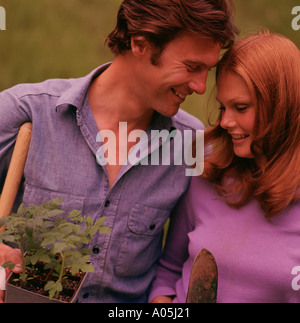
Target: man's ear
{"x": 139, "y": 45}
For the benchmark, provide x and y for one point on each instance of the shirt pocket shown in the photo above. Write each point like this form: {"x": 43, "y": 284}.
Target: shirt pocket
{"x": 37, "y": 196}
{"x": 141, "y": 245}
{"x": 146, "y": 220}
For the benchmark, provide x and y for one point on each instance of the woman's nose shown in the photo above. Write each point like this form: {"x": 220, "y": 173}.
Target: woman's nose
{"x": 227, "y": 121}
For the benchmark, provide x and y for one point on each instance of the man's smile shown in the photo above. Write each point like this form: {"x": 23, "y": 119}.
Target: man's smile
{"x": 180, "y": 95}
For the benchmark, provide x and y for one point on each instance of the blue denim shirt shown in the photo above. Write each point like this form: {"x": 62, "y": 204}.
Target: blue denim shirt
{"x": 62, "y": 163}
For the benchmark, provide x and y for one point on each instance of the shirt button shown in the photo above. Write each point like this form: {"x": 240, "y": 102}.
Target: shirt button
{"x": 107, "y": 203}
{"x": 96, "y": 250}
{"x": 86, "y": 295}
{"x": 152, "y": 227}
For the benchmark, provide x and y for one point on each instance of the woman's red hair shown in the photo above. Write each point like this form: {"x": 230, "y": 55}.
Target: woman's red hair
{"x": 270, "y": 65}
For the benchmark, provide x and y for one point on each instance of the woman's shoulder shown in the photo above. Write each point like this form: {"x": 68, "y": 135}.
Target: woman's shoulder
{"x": 201, "y": 184}
{"x": 200, "y": 190}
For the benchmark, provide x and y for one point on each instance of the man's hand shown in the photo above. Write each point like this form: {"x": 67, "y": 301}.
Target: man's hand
{"x": 9, "y": 254}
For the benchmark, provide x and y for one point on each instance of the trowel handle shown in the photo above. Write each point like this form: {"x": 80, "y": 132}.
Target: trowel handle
{"x": 15, "y": 170}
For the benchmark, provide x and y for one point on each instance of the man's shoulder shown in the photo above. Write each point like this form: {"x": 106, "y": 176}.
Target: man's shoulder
{"x": 52, "y": 87}
{"x": 185, "y": 120}
{"x": 55, "y": 86}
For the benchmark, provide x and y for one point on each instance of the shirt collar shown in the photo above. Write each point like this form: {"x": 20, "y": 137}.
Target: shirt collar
{"x": 160, "y": 122}
{"x": 75, "y": 95}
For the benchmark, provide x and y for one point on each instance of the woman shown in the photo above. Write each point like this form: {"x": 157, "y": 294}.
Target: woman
{"x": 245, "y": 208}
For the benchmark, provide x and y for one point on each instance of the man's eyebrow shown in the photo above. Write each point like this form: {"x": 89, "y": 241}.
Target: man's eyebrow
{"x": 195, "y": 63}
{"x": 199, "y": 64}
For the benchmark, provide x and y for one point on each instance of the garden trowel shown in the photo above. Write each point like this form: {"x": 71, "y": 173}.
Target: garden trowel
{"x": 203, "y": 283}
{"x": 15, "y": 170}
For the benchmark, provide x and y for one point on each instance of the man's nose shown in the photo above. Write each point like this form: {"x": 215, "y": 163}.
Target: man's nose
{"x": 198, "y": 83}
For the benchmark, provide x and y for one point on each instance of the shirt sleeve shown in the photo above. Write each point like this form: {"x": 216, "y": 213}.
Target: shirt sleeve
{"x": 13, "y": 113}
{"x": 175, "y": 254}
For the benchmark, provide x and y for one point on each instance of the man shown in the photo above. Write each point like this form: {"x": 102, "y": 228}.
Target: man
{"x": 164, "y": 50}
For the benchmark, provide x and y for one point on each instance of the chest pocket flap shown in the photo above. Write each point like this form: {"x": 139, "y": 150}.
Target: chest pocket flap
{"x": 147, "y": 220}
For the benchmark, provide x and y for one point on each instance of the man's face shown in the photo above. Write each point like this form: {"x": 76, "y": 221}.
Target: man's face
{"x": 181, "y": 71}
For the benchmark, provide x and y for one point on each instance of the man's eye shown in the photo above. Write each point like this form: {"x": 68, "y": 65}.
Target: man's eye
{"x": 189, "y": 68}
{"x": 192, "y": 68}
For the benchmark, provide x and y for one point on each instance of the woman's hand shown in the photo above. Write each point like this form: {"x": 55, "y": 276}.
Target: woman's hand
{"x": 162, "y": 299}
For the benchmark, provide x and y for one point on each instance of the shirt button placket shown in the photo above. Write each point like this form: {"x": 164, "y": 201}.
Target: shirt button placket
{"x": 96, "y": 250}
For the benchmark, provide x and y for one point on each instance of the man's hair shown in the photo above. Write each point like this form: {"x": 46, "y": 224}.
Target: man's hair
{"x": 161, "y": 21}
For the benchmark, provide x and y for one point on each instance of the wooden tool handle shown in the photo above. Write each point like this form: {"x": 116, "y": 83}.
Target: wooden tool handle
{"x": 15, "y": 170}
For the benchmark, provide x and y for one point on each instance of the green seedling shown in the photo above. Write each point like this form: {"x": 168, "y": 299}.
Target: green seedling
{"x": 44, "y": 236}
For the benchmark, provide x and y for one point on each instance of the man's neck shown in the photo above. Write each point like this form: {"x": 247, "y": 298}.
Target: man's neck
{"x": 112, "y": 98}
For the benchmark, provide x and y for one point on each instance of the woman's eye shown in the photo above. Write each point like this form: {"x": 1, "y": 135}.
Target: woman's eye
{"x": 222, "y": 108}
{"x": 242, "y": 108}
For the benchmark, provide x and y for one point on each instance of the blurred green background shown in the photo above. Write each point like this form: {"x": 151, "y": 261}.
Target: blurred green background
{"x": 61, "y": 39}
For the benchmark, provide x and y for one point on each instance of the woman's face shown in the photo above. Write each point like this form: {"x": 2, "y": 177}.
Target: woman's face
{"x": 237, "y": 112}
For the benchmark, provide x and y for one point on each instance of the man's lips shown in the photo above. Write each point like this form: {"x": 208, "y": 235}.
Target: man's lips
{"x": 180, "y": 95}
